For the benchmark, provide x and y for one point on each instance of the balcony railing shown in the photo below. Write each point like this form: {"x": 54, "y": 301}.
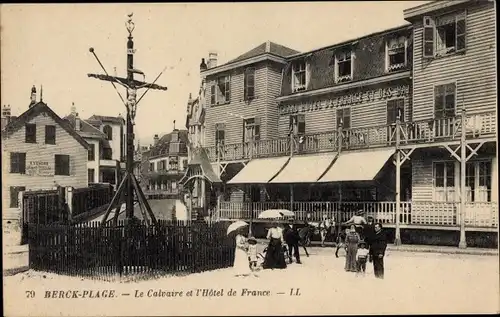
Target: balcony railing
{"x": 422, "y": 131}
{"x": 161, "y": 193}
{"x": 483, "y": 215}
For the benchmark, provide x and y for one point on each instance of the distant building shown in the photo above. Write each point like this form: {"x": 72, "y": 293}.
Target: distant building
{"x": 164, "y": 164}
{"x": 105, "y": 136}
{"x": 40, "y": 151}
{"x": 6, "y": 115}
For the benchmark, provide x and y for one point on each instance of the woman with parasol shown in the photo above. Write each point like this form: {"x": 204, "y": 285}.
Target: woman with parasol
{"x": 241, "y": 265}
{"x": 275, "y": 257}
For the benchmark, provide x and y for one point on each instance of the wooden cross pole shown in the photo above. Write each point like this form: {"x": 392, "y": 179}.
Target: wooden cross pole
{"x": 132, "y": 85}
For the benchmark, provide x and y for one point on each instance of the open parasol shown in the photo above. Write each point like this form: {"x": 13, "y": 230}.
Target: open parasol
{"x": 275, "y": 214}
{"x": 236, "y": 225}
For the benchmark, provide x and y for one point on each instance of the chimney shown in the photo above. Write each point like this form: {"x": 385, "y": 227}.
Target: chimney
{"x": 212, "y": 59}
{"x": 6, "y": 111}
{"x": 33, "y": 96}
{"x": 78, "y": 124}
{"x": 156, "y": 139}
{"x": 73, "y": 109}
{"x": 203, "y": 65}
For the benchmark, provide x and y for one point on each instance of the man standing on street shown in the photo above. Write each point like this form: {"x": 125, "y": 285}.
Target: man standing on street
{"x": 292, "y": 238}
{"x": 378, "y": 244}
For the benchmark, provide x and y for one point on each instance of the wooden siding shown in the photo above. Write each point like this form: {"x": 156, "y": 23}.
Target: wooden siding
{"x": 363, "y": 114}
{"x": 369, "y": 60}
{"x": 65, "y": 144}
{"x": 474, "y": 71}
{"x": 238, "y": 107}
{"x": 274, "y": 72}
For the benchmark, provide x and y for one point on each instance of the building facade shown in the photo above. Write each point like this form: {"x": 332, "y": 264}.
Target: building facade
{"x": 400, "y": 124}
{"x": 40, "y": 151}
{"x": 105, "y": 136}
{"x": 166, "y": 162}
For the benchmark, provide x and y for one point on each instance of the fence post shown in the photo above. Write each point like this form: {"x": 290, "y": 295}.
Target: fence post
{"x": 69, "y": 201}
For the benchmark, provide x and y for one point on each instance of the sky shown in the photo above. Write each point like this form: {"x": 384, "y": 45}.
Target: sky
{"x": 48, "y": 45}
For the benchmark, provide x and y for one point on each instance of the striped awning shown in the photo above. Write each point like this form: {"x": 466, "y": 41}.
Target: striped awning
{"x": 304, "y": 169}
{"x": 260, "y": 171}
{"x": 357, "y": 166}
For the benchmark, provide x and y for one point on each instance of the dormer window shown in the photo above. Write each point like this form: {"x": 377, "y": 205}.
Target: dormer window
{"x": 343, "y": 66}
{"x": 396, "y": 53}
{"x": 299, "y": 76}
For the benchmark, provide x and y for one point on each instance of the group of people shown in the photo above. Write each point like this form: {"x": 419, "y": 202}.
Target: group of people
{"x": 364, "y": 241}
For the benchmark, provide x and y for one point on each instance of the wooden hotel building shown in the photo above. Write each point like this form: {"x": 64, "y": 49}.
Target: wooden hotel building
{"x": 400, "y": 124}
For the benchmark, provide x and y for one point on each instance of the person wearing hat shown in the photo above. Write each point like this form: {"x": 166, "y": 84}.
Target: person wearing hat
{"x": 358, "y": 221}
{"x": 252, "y": 253}
{"x": 292, "y": 239}
{"x": 362, "y": 256}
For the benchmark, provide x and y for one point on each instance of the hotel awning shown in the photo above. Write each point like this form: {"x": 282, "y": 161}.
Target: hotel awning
{"x": 304, "y": 169}
{"x": 357, "y": 166}
{"x": 260, "y": 171}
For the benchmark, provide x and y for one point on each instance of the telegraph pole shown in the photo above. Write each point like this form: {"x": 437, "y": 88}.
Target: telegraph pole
{"x": 129, "y": 182}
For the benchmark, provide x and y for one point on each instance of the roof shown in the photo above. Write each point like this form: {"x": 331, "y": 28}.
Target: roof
{"x": 343, "y": 43}
{"x": 266, "y": 47}
{"x": 35, "y": 111}
{"x": 201, "y": 159}
{"x": 162, "y": 147}
{"x": 107, "y": 119}
{"x": 86, "y": 129}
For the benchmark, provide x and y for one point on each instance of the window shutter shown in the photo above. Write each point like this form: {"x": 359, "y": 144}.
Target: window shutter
{"x": 401, "y": 109}
{"x": 212, "y": 94}
{"x": 257, "y": 129}
{"x": 228, "y": 88}
{"x": 391, "y": 111}
{"x": 461, "y": 31}
{"x": 22, "y": 163}
{"x": 347, "y": 118}
{"x": 428, "y": 37}
{"x": 245, "y": 84}
{"x": 301, "y": 124}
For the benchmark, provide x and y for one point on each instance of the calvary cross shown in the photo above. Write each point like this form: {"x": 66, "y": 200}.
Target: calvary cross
{"x": 129, "y": 183}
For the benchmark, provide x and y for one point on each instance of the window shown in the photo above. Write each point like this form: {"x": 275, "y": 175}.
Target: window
{"x": 343, "y": 66}
{"x": 344, "y": 118}
{"x": 251, "y": 130}
{"x": 299, "y": 76}
{"x": 220, "y": 92}
{"x": 108, "y": 131}
{"x": 184, "y": 164}
{"x": 444, "y": 181}
{"x": 30, "y": 133}
{"x": 396, "y": 53}
{"x": 50, "y": 134}
{"x": 14, "y": 195}
{"x": 220, "y": 133}
{"x": 91, "y": 175}
{"x": 478, "y": 181}
{"x": 395, "y": 107}
{"x": 173, "y": 163}
{"x": 298, "y": 124}
{"x": 18, "y": 163}
{"x": 91, "y": 155}
{"x": 152, "y": 167}
{"x": 444, "y": 101}
{"x": 444, "y": 35}
{"x": 174, "y": 147}
{"x": 162, "y": 165}
{"x": 62, "y": 164}
{"x": 107, "y": 154}
{"x": 249, "y": 83}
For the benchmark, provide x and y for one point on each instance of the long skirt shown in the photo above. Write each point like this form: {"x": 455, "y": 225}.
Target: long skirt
{"x": 350, "y": 258}
{"x": 241, "y": 265}
{"x": 275, "y": 257}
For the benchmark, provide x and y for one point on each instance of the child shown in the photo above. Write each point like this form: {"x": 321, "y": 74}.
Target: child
{"x": 252, "y": 253}
{"x": 362, "y": 256}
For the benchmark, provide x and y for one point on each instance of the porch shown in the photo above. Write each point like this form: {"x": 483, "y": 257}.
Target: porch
{"x": 479, "y": 216}
{"x": 479, "y": 126}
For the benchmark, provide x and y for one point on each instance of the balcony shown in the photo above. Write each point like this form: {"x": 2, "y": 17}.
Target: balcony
{"x": 161, "y": 193}
{"x": 170, "y": 172}
{"x": 481, "y": 125}
{"x": 421, "y": 214}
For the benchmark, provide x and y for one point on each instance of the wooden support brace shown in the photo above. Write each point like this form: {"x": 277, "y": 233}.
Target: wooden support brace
{"x": 141, "y": 196}
{"x": 453, "y": 152}
{"x": 473, "y": 151}
{"x": 406, "y": 155}
{"x": 115, "y": 199}
{"x": 403, "y": 134}
{"x": 223, "y": 168}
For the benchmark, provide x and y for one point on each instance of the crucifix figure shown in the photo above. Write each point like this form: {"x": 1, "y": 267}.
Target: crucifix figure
{"x": 129, "y": 183}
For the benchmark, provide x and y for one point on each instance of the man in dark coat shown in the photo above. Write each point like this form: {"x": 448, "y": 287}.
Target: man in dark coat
{"x": 291, "y": 236}
{"x": 369, "y": 230}
{"x": 378, "y": 244}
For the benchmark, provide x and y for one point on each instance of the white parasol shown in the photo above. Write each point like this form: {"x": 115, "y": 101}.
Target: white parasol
{"x": 236, "y": 225}
{"x": 276, "y": 213}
